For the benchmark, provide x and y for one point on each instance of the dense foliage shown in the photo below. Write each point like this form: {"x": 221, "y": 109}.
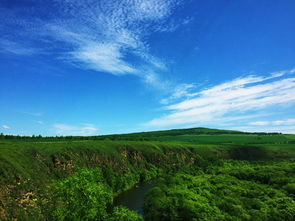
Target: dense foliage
{"x": 203, "y": 174}
{"x": 86, "y": 195}
{"x": 121, "y": 213}
{"x": 233, "y": 190}
{"x": 83, "y": 195}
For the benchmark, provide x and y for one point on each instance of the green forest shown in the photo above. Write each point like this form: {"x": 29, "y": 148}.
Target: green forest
{"x": 198, "y": 174}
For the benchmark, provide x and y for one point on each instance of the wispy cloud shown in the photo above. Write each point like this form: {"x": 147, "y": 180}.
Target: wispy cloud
{"x": 5, "y": 126}
{"x": 287, "y": 129}
{"x": 104, "y": 36}
{"x": 34, "y": 114}
{"x": 274, "y": 123}
{"x": 284, "y": 122}
{"x": 231, "y": 99}
{"x": 103, "y": 57}
{"x": 8, "y": 46}
{"x": 259, "y": 123}
{"x": 73, "y": 130}
{"x": 179, "y": 91}
{"x": 110, "y": 36}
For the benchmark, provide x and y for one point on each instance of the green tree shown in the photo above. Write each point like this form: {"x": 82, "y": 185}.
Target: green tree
{"x": 121, "y": 213}
{"x": 82, "y": 196}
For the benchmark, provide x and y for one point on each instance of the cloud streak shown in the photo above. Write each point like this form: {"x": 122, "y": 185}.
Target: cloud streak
{"x": 72, "y": 130}
{"x": 231, "y": 99}
{"x": 286, "y": 122}
{"x": 5, "y": 126}
{"x": 110, "y": 36}
{"x": 104, "y": 36}
{"x": 7, "y": 46}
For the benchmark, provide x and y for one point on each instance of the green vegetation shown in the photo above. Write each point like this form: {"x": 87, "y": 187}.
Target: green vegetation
{"x": 86, "y": 185}
{"x": 85, "y": 195}
{"x": 123, "y": 214}
{"x": 202, "y": 174}
{"x": 230, "y": 190}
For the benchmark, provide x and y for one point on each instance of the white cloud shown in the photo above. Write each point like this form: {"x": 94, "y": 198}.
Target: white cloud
{"x": 34, "y": 114}
{"x": 7, "y": 46}
{"x": 259, "y": 123}
{"x": 234, "y": 98}
{"x": 286, "y": 122}
{"x": 103, "y": 34}
{"x": 103, "y": 57}
{"x": 5, "y": 126}
{"x": 286, "y": 129}
{"x": 179, "y": 91}
{"x": 72, "y": 130}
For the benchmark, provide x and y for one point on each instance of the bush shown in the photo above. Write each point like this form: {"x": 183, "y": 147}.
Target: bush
{"x": 121, "y": 213}
{"x": 82, "y": 196}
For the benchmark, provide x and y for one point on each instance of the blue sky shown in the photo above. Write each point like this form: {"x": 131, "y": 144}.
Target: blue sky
{"x": 72, "y": 67}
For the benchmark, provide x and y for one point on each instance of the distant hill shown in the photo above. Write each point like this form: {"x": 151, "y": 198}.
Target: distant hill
{"x": 191, "y": 135}
{"x": 151, "y": 135}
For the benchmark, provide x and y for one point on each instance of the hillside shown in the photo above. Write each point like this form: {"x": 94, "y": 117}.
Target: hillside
{"x": 199, "y": 135}
{"x": 30, "y": 167}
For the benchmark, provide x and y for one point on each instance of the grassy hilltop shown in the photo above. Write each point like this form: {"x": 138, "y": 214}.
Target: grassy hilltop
{"x": 40, "y": 174}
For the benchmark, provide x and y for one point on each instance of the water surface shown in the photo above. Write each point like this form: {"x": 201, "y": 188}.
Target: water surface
{"x": 133, "y": 198}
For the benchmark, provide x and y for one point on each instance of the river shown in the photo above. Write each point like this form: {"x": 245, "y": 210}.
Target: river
{"x": 133, "y": 198}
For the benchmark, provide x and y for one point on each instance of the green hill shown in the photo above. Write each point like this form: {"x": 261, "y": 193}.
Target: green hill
{"x": 31, "y": 166}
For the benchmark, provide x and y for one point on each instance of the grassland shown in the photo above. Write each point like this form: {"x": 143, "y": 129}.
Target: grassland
{"x": 29, "y": 166}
